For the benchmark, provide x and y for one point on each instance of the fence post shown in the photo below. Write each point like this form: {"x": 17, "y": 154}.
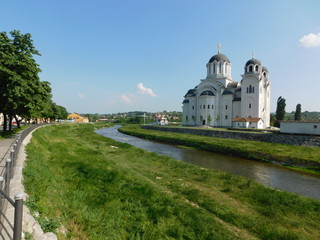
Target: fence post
{"x": 12, "y": 155}
{"x": 1, "y": 186}
{"x": 18, "y": 205}
{"x": 8, "y": 171}
{"x": 1, "y": 182}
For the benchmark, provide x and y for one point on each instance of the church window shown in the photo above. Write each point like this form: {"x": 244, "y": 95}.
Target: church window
{"x": 192, "y": 107}
{"x": 249, "y": 105}
{"x": 226, "y": 107}
{"x": 220, "y": 67}
{"x": 252, "y": 89}
{"x": 208, "y": 106}
{"x": 250, "y": 68}
{"x": 315, "y": 126}
{"x": 257, "y": 68}
{"x": 226, "y": 117}
{"x": 214, "y": 68}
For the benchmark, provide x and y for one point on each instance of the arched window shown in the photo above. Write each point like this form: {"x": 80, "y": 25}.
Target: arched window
{"x": 249, "y": 105}
{"x": 214, "y": 68}
{"x": 208, "y": 106}
{"x": 257, "y": 68}
{"x": 250, "y": 68}
{"x": 252, "y": 89}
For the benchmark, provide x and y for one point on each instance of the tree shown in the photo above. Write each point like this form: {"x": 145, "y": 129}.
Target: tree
{"x": 281, "y": 110}
{"x": 18, "y": 75}
{"x": 194, "y": 119}
{"x": 201, "y": 119}
{"x": 209, "y": 119}
{"x": 297, "y": 114}
{"x": 21, "y": 91}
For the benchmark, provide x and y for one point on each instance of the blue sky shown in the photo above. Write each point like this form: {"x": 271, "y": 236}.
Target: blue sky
{"x": 109, "y": 56}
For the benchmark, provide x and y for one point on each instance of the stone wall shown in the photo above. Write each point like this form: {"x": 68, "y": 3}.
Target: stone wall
{"x": 300, "y": 140}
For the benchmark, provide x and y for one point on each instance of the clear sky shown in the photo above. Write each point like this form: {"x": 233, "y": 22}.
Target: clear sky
{"x": 109, "y": 56}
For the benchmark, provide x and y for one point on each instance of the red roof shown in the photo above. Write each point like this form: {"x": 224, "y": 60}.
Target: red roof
{"x": 246, "y": 119}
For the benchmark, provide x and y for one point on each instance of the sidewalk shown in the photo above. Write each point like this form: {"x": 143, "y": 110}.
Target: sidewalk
{"x": 5, "y": 148}
{"x": 29, "y": 224}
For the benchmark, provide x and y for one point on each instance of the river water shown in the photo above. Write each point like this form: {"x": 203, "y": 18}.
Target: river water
{"x": 264, "y": 173}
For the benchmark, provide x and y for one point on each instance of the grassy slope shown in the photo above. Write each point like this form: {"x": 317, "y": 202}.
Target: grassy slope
{"x": 100, "y": 189}
{"x": 306, "y": 157}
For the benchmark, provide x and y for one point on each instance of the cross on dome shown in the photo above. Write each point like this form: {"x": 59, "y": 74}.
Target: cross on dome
{"x": 219, "y": 46}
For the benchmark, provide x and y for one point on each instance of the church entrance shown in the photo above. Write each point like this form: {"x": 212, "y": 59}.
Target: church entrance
{"x": 203, "y": 122}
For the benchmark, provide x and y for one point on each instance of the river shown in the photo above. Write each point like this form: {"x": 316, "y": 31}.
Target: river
{"x": 264, "y": 173}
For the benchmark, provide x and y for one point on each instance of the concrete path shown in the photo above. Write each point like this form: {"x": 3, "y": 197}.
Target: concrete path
{"x": 29, "y": 224}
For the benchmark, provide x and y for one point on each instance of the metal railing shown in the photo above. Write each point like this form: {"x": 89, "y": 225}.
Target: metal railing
{"x": 11, "y": 226}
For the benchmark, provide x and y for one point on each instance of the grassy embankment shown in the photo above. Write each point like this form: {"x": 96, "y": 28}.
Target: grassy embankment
{"x": 298, "y": 157}
{"x": 97, "y": 188}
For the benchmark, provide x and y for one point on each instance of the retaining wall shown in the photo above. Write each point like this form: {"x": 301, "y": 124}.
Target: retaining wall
{"x": 301, "y": 140}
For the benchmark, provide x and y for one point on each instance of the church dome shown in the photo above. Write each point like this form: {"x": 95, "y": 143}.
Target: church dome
{"x": 264, "y": 69}
{"x": 253, "y": 61}
{"x": 219, "y": 57}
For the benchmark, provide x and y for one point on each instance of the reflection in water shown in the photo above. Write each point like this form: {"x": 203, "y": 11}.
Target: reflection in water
{"x": 267, "y": 174}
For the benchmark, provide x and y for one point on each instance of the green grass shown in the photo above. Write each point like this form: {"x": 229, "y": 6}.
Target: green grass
{"x": 305, "y": 158}
{"x": 97, "y": 188}
{"x": 7, "y": 134}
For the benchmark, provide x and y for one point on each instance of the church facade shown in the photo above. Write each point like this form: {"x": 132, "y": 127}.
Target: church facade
{"x": 219, "y": 101}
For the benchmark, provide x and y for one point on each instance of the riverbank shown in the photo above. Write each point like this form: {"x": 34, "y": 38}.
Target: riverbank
{"x": 297, "y": 157}
{"x": 87, "y": 186}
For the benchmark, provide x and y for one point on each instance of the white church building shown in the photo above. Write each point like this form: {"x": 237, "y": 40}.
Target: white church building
{"x": 221, "y": 102}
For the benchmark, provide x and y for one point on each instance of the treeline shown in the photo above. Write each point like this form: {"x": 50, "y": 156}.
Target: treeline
{"x": 22, "y": 94}
{"x": 297, "y": 115}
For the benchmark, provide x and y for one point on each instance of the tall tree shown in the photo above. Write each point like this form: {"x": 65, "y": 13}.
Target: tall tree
{"x": 281, "y": 110}
{"x": 297, "y": 114}
{"x": 21, "y": 91}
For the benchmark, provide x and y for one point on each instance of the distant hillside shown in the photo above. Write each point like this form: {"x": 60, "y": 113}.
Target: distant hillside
{"x": 305, "y": 116}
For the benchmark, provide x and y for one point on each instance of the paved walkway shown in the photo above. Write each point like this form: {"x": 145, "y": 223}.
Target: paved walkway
{"x": 5, "y": 148}
{"x": 29, "y": 224}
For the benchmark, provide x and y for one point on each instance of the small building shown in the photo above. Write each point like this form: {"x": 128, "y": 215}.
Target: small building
{"x": 300, "y": 127}
{"x": 247, "y": 123}
{"x": 161, "y": 119}
{"x": 75, "y": 117}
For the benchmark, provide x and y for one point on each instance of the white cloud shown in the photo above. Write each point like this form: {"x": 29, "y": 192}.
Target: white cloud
{"x": 310, "y": 40}
{"x": 127, "y": 98}
{"x": 82, "y": 96}
{"x": 145, "y": 91}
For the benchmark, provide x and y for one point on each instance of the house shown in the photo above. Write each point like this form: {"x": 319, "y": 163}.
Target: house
{"x": 247, "y": 123}
{"x": 75, "y": 117}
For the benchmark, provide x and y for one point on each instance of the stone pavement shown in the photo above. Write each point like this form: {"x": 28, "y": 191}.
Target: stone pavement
{"x": 29, "y": 224}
